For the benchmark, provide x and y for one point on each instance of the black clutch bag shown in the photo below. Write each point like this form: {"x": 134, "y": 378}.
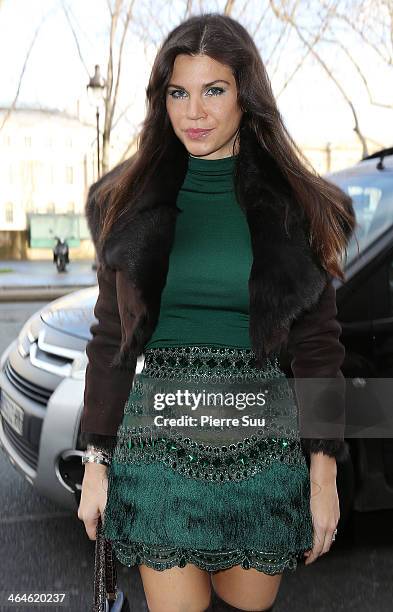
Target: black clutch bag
{"x": 107, "y": 597}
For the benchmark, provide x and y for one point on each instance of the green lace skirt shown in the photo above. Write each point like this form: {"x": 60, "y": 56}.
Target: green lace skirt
{"x": 200, "y": 474}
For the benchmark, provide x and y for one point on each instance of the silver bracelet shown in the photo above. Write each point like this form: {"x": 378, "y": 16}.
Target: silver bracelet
{"x": 94, "y": 459}
{"x": 97, "y": 449}
{"x": 94, "y": 454}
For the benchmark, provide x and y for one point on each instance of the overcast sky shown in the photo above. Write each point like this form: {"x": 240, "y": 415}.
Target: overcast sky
{"x": 312, "y": 108}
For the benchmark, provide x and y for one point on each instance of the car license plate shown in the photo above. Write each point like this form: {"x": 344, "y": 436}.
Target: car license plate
{"x": 12, "y": 413}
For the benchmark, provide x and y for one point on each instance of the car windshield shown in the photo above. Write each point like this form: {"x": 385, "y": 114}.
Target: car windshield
{"x": 372, "y": 196}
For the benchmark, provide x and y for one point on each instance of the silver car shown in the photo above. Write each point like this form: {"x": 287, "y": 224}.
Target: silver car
{"x": 42, "y": 376}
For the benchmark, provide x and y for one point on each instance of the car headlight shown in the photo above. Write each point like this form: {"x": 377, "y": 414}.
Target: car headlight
{"x": 79, "y": 366}
{"x": 26, "y": 338}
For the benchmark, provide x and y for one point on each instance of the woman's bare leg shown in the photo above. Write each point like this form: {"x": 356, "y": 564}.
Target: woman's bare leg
{"x": 246, "y": 589}
{"x": 178, "y": 589}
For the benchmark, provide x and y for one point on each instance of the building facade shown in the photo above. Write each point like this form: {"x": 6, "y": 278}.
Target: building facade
{"x": 47, "y": 162}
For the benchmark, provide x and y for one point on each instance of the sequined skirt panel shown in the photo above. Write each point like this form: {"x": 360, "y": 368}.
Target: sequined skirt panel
{"x": 211, "y": 492}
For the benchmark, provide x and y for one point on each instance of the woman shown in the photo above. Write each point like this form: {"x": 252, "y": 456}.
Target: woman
{"x": 216, "y": 248}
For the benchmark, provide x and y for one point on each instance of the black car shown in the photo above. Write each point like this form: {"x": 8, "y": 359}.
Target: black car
{"x": 365, "y": 312}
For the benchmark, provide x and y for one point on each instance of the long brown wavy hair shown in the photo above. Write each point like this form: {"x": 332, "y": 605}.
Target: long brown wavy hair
{"x": 328, "y": 209}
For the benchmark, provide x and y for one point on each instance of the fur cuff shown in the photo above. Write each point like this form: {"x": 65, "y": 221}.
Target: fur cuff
{"x": 107, "y": 443}
{"x": 337, "y": 448}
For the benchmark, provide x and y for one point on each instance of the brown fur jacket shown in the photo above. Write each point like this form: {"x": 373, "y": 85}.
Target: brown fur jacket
{"x": 292, "y": 299}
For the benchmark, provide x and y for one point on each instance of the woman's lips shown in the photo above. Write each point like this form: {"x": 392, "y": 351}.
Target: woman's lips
{"x": 196, "y": 134}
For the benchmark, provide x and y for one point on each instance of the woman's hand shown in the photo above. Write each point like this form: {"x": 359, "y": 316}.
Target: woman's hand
{"x": 324, "y": 503}
{"x": 94, "y": 496}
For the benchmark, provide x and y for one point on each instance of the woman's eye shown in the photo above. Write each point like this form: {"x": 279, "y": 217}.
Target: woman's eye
{"x": 216, "y": 90}
{"x": 177, "y": 93}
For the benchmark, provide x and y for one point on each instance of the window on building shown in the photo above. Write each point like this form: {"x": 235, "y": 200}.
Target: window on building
{"x": 27, "y": 172}
{"x": 71, "y": 208}
{"x": 28, "y": 141}
{"x": 50, "y": 208}
{"x": 9, "y": 212}
{"x": 69, "y": 175}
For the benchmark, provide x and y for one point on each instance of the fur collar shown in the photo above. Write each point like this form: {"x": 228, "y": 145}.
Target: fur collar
{"x": 285, "y": 278}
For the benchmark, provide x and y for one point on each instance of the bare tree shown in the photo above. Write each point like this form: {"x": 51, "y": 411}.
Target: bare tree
{"x": 188, "y": 9}
{"x": 120, "y": 16}
{"x": 284, "y": 15}
{"x": 229, "y": 5}
{"x": 372, "y": 23}
{"x": 120, "y": 12}
{"x": 14, "y": 101}
{"x": 279, "y": 7}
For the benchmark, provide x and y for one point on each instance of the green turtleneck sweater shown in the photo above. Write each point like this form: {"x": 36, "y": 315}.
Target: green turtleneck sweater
{"x": 205, "y": 300}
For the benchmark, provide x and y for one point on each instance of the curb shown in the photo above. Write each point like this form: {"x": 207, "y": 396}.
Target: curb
{"x": 37, "y": 294}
